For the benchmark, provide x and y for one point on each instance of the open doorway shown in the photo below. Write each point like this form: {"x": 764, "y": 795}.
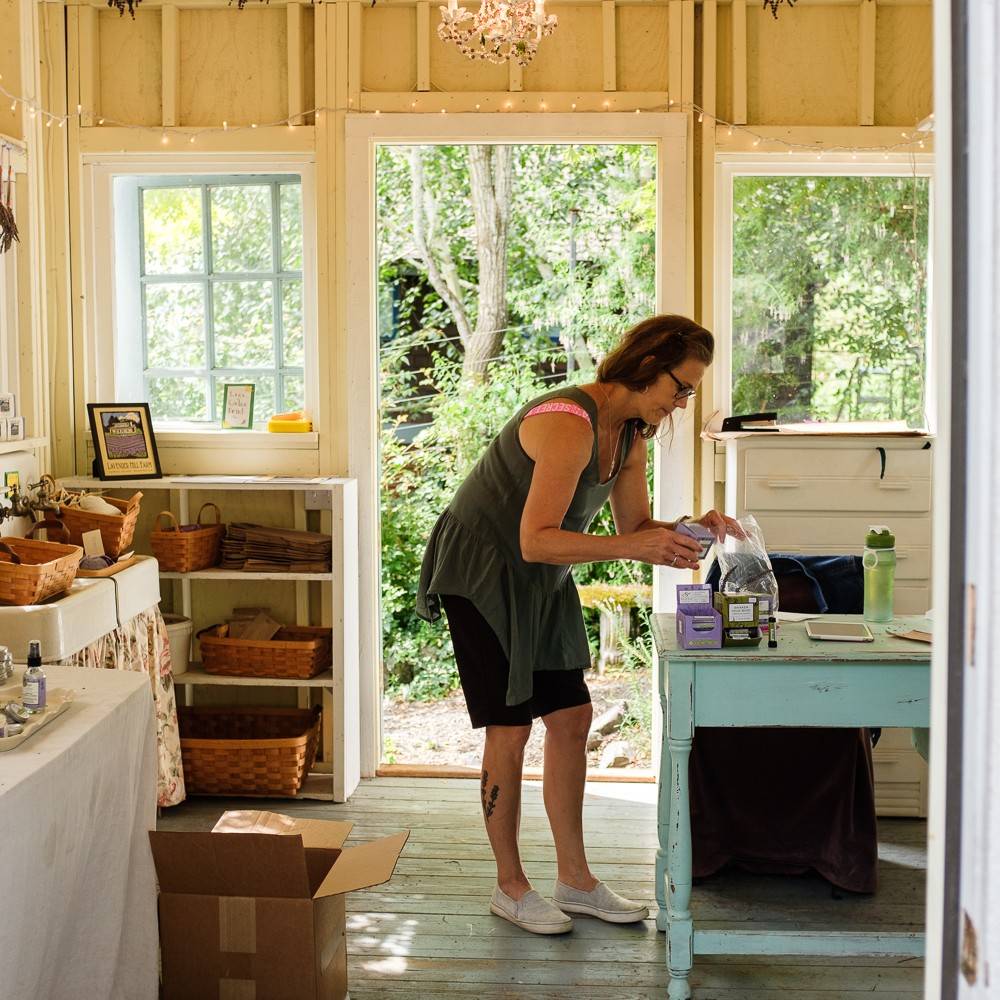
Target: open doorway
{"x": 503, "y": 271}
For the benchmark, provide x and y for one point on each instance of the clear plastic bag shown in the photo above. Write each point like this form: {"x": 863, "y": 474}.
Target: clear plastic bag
{"x": 743, "y": 563}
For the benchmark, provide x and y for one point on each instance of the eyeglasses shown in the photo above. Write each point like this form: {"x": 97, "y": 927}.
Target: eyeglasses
{"x": 683, "y": 391}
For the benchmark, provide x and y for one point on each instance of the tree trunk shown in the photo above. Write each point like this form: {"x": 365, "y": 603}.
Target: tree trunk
{"x": 490, "y": 177}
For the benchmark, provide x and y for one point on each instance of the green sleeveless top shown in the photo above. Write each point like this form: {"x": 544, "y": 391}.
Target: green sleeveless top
{"x": 474, "y": 551}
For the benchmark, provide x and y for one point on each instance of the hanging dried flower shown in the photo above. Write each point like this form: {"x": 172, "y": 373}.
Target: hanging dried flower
{"x": 8, "y": 227}
{"x": 774, "y": 4}
{"x": 123, "y": 4}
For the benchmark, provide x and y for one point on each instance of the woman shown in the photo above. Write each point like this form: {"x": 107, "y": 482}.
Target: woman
{"x": 499, "y": 560}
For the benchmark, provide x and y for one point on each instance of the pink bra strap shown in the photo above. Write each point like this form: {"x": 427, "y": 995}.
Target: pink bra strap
{"x": 559, "y": 406}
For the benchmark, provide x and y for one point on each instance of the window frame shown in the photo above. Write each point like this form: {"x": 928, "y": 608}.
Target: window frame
{"x": 109, "y": 269}
{"x": 208, "y": 278}
{"x": 801, "y": 164}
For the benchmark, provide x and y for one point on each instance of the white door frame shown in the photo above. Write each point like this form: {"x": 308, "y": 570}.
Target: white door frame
{"x": 363, "y": 133}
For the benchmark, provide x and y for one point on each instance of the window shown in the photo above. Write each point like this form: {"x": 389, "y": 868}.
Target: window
{"x": 827, "y": 294}
{"x": 215, "y": 293}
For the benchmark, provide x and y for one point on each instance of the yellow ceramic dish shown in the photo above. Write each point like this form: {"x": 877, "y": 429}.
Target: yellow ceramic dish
{"x": 289, "y": 423}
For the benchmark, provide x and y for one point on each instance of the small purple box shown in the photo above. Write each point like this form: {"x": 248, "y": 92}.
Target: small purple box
{"x": 699, "y": 625}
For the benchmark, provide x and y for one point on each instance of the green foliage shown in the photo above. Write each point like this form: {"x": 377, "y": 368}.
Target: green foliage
{"x": 829, "y": 297}
{"x": 557, "y": 306}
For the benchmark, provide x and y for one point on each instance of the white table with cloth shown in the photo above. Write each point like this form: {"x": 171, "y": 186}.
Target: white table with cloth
{"x": 77, "y": 882}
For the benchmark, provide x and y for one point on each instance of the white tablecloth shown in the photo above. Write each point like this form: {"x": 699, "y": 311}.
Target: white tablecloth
{"x": 77, "y": 885}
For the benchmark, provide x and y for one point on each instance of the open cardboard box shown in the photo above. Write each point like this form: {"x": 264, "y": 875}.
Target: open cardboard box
{"x": 261, "y": 915}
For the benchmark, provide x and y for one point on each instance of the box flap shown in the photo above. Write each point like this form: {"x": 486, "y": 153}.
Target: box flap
{"x": 207, "y": 864}
{"x": 363, "y": 866}
{"x": 322, "y": 833}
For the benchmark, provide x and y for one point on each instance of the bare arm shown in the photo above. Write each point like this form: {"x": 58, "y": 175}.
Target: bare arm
{"x": 560, "y": 445}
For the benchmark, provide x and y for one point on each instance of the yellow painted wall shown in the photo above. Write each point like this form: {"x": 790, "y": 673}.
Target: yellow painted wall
{"x": 10, "y": 65}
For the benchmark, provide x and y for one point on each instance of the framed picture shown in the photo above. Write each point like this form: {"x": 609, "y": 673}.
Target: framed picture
{"x": 124, "y": 446}
{"x": 237, "y": 405}
{"x": 11, "y": 481}
{"x": 8, "y": 404}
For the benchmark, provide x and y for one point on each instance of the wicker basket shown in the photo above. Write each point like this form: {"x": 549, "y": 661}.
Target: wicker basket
{"x": 31, "y": 571}
{"x": 117, "y": 530}
{"x": 297, "y": 652}
{"x": 247, "y": 751}
{"x": 196, "y": 547}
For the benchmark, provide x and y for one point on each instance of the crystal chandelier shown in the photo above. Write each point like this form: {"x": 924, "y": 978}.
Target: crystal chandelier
{"x": 500, "y": 31}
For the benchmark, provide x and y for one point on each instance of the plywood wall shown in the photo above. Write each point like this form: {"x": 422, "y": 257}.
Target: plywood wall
{"x": 10, "y": 65}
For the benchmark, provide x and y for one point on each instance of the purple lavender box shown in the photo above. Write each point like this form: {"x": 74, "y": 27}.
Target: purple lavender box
{"x": 699, "y": 625}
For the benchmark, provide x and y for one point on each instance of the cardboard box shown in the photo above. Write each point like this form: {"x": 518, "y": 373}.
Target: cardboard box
{"x": 255, "y": 909}
{"x": 699, "y": 625}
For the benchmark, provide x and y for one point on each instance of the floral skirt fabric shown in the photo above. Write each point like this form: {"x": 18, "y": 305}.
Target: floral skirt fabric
{"x": 142, "y": 644}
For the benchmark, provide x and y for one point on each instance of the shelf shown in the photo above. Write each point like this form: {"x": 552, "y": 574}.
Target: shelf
{"x": 239, "y": 574}
{"x": 206, "y": 483}
{"x": 196, "y": 675}
{"x": 28, "y": 444}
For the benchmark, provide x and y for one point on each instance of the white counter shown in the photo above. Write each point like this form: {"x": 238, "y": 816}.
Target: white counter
{"x": 78, "y": 886}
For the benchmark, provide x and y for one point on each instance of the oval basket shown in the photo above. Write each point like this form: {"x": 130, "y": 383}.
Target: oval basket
{"x": 186, "y": 551}
{"x": 247, "y": 751}
{"x": 117, "y": 530}
{"x": 31, "y": 571}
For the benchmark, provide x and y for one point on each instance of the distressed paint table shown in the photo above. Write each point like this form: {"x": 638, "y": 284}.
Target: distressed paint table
{"x": 803, "y": 682}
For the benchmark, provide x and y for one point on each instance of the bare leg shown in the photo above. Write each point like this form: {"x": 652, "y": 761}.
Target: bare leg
{"x": 500, "y": 789}
{"x": 563, "y": 779}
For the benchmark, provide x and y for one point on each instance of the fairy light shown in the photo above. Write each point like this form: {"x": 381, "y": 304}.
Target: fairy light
{"x": 225, "y": 126}
{"x": 164, "y": 138}
{"x": 100, "y": 121}
{"x": 701, "y": 117}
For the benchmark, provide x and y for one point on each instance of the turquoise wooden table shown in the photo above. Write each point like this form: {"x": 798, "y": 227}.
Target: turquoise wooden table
{"x": 801, "y": 683}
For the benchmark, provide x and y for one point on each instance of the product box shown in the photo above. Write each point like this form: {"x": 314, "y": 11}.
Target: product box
{"x": 699, "y": 625}
{"x": 741, "y": 637}
{"x": 256, "y": 907}
{"x": 738, "y": 610}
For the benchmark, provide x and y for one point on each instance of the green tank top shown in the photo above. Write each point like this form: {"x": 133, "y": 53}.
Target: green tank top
{"x": 474, "y": 551}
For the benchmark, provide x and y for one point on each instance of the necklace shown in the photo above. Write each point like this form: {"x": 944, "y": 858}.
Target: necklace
{"x": 607, "y": 432}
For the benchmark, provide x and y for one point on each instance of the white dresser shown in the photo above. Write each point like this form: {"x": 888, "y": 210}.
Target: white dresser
{"x": 817, "y": 495}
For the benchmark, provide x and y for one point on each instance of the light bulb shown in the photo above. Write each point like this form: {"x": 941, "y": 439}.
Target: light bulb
{"x": 701, "y": 117}
{"x": 48, "y": 124}
{"x": 225, "y": 126}
{"x": 79, "y": 109}
{"x": 164, "y": 139}
{"x": 100, "y": 121}
{"x": 253, "y": 125}
{"x": 756, "y": 142}
{"x": 191, "y": 139}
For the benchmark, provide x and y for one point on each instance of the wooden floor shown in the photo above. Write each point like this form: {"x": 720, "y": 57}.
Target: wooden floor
{"x": 428, "y": 933}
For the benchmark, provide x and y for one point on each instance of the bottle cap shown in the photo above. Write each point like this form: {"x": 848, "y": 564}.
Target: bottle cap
{"x": 34, "y": 653}
{"x": 880, "y": 537}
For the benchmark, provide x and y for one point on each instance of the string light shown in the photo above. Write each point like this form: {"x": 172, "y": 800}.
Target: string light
{"x": 908, "y": 141}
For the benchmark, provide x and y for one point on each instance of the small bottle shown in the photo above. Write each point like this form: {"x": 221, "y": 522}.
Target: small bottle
{"x": 33, "y": 686}
{"x": 772, "y": 633}
{"x": 879, "y": 564}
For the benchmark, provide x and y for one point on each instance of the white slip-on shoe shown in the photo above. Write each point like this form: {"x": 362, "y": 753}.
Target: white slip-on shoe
{"x": 532, "y": 912}
{"x": 600, "y": 902}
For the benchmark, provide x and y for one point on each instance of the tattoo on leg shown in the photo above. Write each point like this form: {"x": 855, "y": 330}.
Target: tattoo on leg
{"x": 490, "y": 805}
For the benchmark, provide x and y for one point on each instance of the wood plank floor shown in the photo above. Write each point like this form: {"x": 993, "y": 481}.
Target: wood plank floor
{"x": 428, "y": 933}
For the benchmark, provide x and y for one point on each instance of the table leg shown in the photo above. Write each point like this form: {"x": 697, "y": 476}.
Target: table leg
{"x": 664, "y": 784}
{"x": 680, "y": 928}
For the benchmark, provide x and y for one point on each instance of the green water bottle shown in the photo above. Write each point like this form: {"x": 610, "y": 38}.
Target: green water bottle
{"x": 879, "y": 564}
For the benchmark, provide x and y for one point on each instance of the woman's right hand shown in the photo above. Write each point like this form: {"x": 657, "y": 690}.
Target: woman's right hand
{"x": 663, "y": 547}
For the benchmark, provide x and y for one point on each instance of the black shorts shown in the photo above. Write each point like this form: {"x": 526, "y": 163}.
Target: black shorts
{"x": 484, "y": 670}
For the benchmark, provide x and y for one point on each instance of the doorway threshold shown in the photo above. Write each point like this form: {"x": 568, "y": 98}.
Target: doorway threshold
{"x": 627, "y": 774}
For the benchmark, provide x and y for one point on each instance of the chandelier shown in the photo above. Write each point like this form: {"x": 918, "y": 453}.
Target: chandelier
{"x": 500, "y": 31}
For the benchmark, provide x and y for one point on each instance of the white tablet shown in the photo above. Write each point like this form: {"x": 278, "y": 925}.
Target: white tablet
{"x": 839, "y": 631}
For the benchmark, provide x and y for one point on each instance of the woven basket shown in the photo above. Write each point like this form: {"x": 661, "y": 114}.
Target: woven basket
{"x": 191, "y": 549}
{"x": 31, "y": 571}
{"x": 247, "y": 751}
{"x": 117, "y": 530}
{"x": 297, "y": 652}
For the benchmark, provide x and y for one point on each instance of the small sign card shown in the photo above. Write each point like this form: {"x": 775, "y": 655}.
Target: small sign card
{"x": 93, "y": 544}
{"x": 237, "y": 406}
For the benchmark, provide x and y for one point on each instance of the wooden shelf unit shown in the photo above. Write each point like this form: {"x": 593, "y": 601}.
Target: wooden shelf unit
{"x": 340, "y": 685}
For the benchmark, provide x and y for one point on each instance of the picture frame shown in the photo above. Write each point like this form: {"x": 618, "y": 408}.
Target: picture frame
{"x": 124, "y": 443}
{"x": 11, "y": 480}
{"x": 237, "y": 406}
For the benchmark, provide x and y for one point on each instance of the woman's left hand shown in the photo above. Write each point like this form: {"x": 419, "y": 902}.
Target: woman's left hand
{"x": 720, "y": 525}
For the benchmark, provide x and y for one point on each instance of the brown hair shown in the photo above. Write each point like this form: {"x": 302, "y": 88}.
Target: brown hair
{"x": 652, "y": 347}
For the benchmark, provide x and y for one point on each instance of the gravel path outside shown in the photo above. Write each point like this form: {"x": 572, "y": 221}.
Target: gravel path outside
{"x": 438, "y": 732}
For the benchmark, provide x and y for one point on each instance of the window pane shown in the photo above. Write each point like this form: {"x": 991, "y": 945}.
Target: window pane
{"x": 291, "y": 318}
{"x": 290, "y": 199}
{"x": 295, "y": 393}
{"x": 171, "y": 229}
{"x": 175, "y": 325}
{"x": 830, "y": 297}
{"x": 263, "y": 397}
{"x": 241, "y": 228}
{"x": 244, "y": 324}
{"x": 178, "y": 398}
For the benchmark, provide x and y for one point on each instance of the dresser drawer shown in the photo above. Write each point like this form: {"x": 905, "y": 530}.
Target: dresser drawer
{"x": 836, "y": 479}
{"x": 911, "y": 564}
{"x": 900, "y": 776}
{"x": 839, "y": 532}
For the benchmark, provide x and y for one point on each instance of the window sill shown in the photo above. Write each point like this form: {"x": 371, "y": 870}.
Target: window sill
{"x": 175, "y": 437}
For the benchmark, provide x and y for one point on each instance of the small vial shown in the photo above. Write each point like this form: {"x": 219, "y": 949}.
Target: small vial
{"x": 772, "y": 633}
{"x": 33, "y": 686}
